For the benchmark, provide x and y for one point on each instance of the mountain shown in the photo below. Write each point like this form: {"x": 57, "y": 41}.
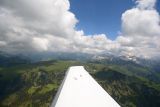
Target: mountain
{"x": 12, "y": 60}
{"x": 34, "y": 84}
{"x": 149, "y": 68}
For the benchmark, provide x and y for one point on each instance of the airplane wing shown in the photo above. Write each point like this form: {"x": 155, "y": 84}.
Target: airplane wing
{"x": 79, "y": 89}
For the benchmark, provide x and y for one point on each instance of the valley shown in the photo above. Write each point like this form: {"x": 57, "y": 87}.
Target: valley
{"x": 35, "y": 84}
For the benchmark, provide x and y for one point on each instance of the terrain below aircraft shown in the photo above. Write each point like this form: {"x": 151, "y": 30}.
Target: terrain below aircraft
{"x": 79, "y": 89}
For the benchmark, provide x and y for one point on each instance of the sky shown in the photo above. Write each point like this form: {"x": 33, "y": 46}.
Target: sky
{"x": 101, "y": 16}
{"x": 122, "y": 28}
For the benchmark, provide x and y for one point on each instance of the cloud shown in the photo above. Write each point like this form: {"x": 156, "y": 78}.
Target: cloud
{"x": 141, "y": 29}
{"x": 33, "y": 26}
{"x": 25, "y": 24}
{"x": 146, "y": 4}
{"x": 29, "y": 26}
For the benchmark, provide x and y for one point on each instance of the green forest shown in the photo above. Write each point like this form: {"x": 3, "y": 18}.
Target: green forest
{"x": 35, "y": 84}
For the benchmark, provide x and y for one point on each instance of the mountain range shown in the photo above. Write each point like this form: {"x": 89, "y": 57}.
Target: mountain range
{"x": 25, "y": 82}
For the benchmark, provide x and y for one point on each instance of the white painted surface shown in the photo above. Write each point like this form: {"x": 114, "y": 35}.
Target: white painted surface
{"x": 79, "y": 89}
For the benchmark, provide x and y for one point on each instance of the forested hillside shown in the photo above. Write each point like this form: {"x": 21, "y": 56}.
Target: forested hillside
{"x": 35, "y": 84}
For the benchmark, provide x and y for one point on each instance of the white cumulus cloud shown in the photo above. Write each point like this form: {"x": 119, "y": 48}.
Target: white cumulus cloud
{"x": 32, "y": 26}
{"x": 141, "y": 29}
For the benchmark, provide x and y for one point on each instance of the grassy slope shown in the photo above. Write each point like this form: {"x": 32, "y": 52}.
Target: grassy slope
{"x": 34, "y": 85}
